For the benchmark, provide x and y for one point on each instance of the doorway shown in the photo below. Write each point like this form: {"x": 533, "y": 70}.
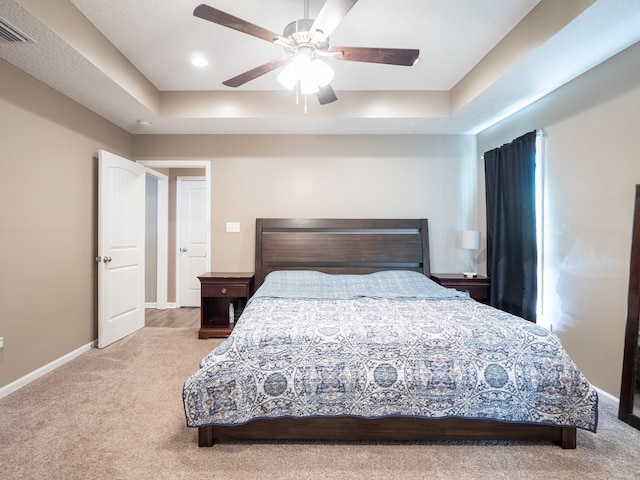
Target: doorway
{"x": 171, "y": 169}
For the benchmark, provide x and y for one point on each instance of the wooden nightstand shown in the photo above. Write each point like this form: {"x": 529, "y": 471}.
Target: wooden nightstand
{"x": 217, "y": 291}
{"x": 478, "y": 286}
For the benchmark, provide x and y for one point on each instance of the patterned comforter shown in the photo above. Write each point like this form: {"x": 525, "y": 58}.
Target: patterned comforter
{"x": 386, "y": 344}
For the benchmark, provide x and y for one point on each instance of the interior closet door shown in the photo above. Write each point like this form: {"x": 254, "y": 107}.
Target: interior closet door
{"x": 191, "y": 238}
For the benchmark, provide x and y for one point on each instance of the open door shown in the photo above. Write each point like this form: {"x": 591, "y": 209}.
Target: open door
{"x": 121, "y": 224}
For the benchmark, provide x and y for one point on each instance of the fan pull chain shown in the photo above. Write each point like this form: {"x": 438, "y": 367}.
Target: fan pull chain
{"x": 298, "y": 97}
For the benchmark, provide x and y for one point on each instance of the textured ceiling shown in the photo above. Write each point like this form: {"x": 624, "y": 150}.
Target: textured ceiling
{"x": 479, "y": 61}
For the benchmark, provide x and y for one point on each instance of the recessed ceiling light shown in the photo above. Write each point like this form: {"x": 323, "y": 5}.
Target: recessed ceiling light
{"x": 199, "y": 61}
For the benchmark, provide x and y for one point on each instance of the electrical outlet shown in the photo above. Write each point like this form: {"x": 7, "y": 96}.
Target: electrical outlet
{"x": 233, "y": 227}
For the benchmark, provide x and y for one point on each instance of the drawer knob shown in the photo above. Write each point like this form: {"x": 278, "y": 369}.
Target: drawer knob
{"x": 223, "y": 291}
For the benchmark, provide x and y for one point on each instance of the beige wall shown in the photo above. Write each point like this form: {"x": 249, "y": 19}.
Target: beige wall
{"x": 151, "y": 239}
{"x": 48, "y": 222}
{"x": 591, "y": 166}
{"x": 431, "y": 176}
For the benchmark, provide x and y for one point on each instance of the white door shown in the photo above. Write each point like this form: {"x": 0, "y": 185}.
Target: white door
{"x": 191, "y": 238}
{"x": 121, "y": 224}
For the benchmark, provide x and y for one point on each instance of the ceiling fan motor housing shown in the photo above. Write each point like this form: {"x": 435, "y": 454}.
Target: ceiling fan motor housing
{"x": 302, "y": 38}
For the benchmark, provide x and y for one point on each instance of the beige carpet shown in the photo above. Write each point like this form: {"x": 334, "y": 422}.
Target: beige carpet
{"x": 117, "y": 414}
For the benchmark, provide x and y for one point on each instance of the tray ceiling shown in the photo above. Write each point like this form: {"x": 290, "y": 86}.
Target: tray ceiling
{"x": 479, "y": 61}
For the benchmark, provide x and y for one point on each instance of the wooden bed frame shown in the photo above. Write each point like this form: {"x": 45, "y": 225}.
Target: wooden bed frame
{"x": 348, "y": 246}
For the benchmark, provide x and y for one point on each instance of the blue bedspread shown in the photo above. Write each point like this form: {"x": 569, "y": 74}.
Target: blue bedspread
{"x": 380, "y": 345}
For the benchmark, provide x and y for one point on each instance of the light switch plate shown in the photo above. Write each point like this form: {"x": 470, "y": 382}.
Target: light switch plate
{"x": 233, "y": 227}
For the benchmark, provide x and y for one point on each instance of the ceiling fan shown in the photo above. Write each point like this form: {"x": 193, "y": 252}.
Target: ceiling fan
{"x": 306, "y": 43}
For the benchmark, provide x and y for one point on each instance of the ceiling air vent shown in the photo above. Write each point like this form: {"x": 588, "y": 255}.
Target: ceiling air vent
{"x": 11, "y": 34}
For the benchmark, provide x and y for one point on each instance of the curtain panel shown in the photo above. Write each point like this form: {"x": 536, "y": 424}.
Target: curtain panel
{"x": 512, "y": 258}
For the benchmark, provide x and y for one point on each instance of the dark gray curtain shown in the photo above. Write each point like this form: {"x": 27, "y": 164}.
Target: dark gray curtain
{"x": 512, "y": 258}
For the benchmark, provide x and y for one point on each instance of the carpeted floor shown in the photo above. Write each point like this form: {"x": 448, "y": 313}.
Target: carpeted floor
{"x": 117, "y": 413}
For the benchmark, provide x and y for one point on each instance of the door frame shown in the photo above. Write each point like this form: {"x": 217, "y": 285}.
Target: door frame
{"x": 206, "y": 165}
{"x": 162, "y": 237}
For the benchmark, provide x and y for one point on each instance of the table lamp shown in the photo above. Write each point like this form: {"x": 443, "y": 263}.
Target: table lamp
{"x": 470, "y": 240}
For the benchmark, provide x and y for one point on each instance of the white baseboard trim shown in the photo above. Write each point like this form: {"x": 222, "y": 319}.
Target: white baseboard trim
{"x": 30, "y": 377}
{"x": 608, "y": 398}
{"x": 155, "y": 305}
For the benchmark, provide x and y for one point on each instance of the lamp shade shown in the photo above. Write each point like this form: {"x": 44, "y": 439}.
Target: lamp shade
{"x": 308, "y": 86}
{"x": 297, "y": 69}
{"x": 321, "y": 72}
{"x": 470, "y": 239}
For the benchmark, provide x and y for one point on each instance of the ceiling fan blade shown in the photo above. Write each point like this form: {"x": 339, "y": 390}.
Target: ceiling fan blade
{"x": 255, "y": 72}
{"x": 326, "y": 95}
{"x": 389, "y": 56}
{"x": 221, "y": 18}
{"x": 330, "y": 16}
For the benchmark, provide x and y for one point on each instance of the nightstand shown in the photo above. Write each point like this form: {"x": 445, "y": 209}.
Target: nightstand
{"x": 217, "y": 291}
{"x": 478, "y": 286}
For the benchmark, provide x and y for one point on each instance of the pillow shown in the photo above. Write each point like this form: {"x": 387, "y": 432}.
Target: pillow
{"x": 384, "y": 284}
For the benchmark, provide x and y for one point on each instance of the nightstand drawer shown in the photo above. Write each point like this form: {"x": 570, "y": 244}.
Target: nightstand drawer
{"x": 478, "y": 287}
{"x": 225, "y": 290}
{"x": 478, "y": 292}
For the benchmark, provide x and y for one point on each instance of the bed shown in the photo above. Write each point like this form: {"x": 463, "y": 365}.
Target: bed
{"x": 346, "y": 338}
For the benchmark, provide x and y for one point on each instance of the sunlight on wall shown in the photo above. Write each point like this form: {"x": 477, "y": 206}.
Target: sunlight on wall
{"x": 540, "y": 228}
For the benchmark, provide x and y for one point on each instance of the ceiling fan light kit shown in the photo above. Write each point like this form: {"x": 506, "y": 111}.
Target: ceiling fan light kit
{"x": 312, "y": 74}
{"x": 304, "y": 41}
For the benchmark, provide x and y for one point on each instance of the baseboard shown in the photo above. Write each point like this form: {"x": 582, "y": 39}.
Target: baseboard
{"x": 155, "y": 305}
{"x": 608, "y": 398}
{"x": 21, "y": 382}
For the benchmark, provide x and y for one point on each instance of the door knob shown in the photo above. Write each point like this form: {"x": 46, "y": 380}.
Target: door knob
{"x": 183, "y": 249}
{"x": 106, "y": 259}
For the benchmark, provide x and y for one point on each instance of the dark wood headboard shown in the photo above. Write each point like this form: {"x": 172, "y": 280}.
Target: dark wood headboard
{"x": 342, "y": 246}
